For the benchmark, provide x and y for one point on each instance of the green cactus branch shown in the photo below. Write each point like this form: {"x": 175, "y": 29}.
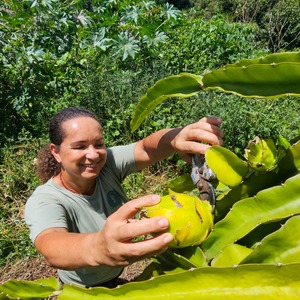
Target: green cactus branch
{"x": 271, "y": 204}
{"x": 246, "y": 282}
{"x": 22, "y": 289}
{"x": 274, "y": 76}
{"x": 288, "y": 166}
{"x": 182, "y": 85}
{"x": 259, "y": 81}
{"x": 269, "y": 59}
{"x": 281, "y": 246}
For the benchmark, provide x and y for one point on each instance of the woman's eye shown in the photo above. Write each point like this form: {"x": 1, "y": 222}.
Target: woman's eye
{"x": 79, "y": 147}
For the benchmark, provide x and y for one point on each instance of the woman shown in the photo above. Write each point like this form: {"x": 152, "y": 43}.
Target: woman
{"x": 78, "y": 220}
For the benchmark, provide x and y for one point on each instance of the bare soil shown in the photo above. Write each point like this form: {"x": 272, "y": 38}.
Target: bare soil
{"x": 36, "y": 268}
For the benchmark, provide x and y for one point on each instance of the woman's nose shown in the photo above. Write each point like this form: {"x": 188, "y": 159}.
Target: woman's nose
{"x": 92, "y": 152}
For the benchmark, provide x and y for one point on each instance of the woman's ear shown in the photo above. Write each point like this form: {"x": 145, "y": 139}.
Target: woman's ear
{"x": 55, "y": 152}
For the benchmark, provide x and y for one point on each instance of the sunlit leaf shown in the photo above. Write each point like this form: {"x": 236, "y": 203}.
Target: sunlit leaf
{"x": 242, "y": 282}
{"x": 83, "y": 19}
{"x": 171, "y": 12}
{"x": 271, "y": 204}
{"x": 126, "y": 45}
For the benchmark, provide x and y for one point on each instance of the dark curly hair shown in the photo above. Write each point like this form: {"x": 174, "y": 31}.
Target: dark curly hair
{"x": 47, "y": 166}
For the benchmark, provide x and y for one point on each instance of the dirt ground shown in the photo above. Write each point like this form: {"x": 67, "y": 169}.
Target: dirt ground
{"x": 36, "y": 268}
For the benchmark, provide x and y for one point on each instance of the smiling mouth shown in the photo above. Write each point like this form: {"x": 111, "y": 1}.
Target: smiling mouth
{"x": 89, "y": 165}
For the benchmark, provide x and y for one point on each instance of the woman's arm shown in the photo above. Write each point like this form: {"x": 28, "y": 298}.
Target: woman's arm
{"x": 184, "y": 140}
{"x": 111, "y": 246}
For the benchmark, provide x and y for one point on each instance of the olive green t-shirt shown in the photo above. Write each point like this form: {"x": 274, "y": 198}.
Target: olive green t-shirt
{"x": 51, "y": 206}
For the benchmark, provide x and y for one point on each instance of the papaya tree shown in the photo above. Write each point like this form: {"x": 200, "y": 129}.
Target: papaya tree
{"x": 252, "y": 249}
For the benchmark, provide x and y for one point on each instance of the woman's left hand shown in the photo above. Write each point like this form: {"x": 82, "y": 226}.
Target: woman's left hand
{"x": 193, "y": 138}
{"x": 198, "y": 137}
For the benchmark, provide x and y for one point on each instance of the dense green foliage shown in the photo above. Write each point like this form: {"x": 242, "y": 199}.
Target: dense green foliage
{"x": 208, "y": 44}
{"x": 277, "y": 19}
{"x": 104, "y": 55}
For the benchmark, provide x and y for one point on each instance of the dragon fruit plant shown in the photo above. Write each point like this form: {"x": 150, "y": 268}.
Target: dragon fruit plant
{"x": 250, "y": 247}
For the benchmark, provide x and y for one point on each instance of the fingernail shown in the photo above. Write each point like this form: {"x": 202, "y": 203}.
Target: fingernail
{"x": 156, "y": 198}
{"x": 164, "y": 223}
{"x": 168, "y": 238}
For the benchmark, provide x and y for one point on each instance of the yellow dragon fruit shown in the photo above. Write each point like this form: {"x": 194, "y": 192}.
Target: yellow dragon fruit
{"x": 190, "y": 218}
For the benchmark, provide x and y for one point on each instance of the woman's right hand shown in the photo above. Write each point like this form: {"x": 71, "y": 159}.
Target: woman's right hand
{"x": 114, "y": 244}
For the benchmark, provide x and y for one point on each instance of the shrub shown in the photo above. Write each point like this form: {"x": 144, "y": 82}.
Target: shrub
{"x": 277, "y": 19}
{"x": 199, "y": 44}
{"x": 281, "y": 26}
{"x": 17, "y": 182}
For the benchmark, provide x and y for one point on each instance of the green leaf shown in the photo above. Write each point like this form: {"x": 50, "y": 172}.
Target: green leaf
{"x": 287, "y": 167}
{"x": 273, "y": 76}
{"x": 126, "y": 45}
{"x": 265, "y": 80}
{"x": 227, "y": 166}
{"x": 182, "y": 85}
{"x": 170, "y": 11}
{"x": 155, "y": 40}
{"x": 283, "y": 142}
{"x": 170, "y": 260}
{"x": 180, "y": 184}
{"x": 231, "y": 255}
{"x": 22, "y": 289}
{"x": 269, "y": 59}
{"x": 274, "y": 203}
{"x": 242, "y": 282}
{"x": 174, "y": 261}
{"x": 282, "y": 246}
{"x": 84, "y": 20}
{"x": 194, "y": 254}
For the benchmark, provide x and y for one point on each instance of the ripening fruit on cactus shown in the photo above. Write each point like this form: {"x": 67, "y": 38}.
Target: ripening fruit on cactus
{"x": 190, "y": 218}
{"x": 262, "y": 155}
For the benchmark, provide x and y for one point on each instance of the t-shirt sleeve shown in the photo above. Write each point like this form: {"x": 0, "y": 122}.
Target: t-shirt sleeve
{"x": 120, "y": 159}
{"x": 43, "y": 211}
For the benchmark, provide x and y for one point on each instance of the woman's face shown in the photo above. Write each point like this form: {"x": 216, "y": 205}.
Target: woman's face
{"x": 82, "y": 153}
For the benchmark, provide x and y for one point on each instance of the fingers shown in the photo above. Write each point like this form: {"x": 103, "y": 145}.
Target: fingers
{"x": 131, "y": 252}
{"x": 208, "y": 128}
{"x": 127, "y": 228}
{"x": 144, "y": 227}
{"x": 117, "y": 236}
{"x": 199, "y": 136}
{"x": 209, "y": 134}
{"x": 148, "y": 248}
{"x": 129, "y": 209}
{"x": 212, "y": 120}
